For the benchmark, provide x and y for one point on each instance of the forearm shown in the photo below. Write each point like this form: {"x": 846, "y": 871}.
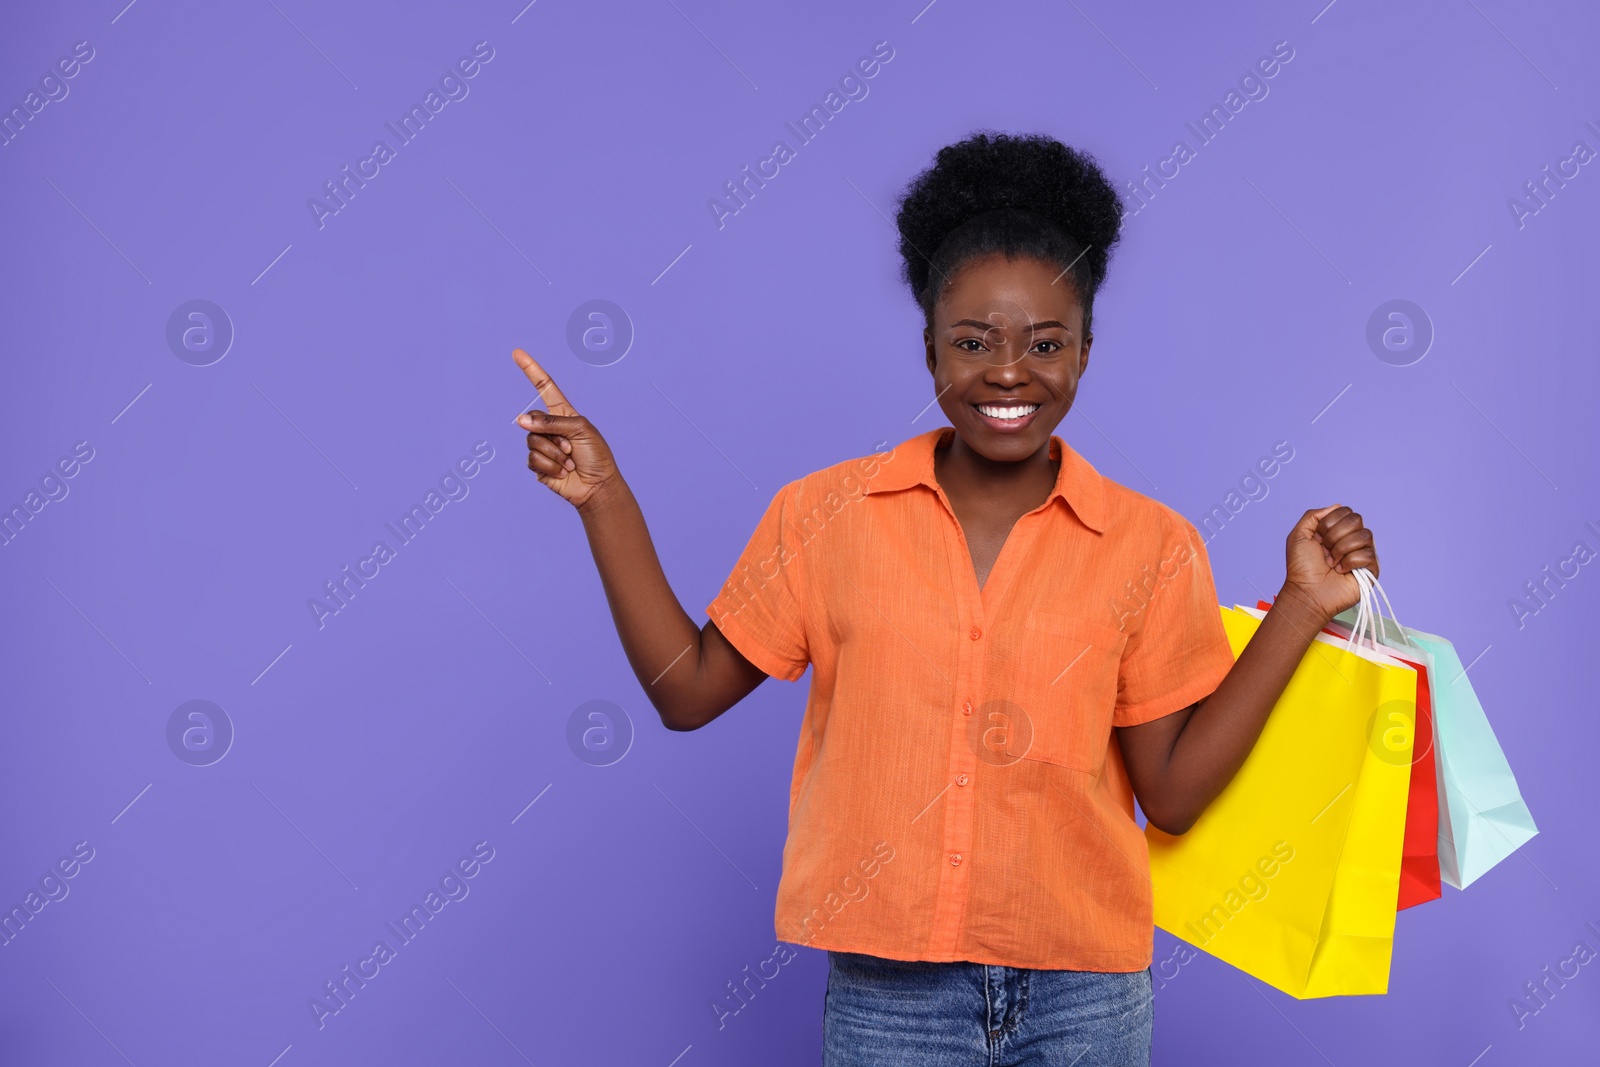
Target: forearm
{"x": 661, "y": 641}
{"x": 1223, "y": 728}
{"x": 690, "y": 673}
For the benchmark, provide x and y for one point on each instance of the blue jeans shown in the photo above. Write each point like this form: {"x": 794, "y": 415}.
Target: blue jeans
{"x": 891, "y": 1013}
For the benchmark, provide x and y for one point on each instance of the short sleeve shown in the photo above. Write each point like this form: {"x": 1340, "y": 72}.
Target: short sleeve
{"x": 761, "y": 609}
{"x": 1177, "y": 650}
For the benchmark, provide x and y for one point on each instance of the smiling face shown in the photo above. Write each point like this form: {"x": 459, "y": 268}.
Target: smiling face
{"x": 1006, "y": 350}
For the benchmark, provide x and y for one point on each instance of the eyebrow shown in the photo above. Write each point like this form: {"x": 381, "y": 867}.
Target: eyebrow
{"x": 1047, "y": 324}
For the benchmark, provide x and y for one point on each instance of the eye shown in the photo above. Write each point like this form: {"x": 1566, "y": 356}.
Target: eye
{"x": 969, "y": 340}
{"x": 1056, "y": 346}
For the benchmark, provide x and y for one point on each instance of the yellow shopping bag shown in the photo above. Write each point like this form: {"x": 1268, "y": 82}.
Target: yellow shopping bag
{"x": 1293, "y": 872}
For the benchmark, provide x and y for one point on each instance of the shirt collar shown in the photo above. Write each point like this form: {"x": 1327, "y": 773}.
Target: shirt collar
{"x": 1078, "y": 484}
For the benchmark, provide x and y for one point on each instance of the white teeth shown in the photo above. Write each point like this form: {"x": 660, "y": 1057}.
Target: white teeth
{"x": 996, "y": 412}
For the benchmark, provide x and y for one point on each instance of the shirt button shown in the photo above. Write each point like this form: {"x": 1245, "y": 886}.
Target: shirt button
{"x": 961, "y": 779}
{"x": 966, "y": 709}
{"x": 976, "y": 633}
{"x": 955, "y": 859}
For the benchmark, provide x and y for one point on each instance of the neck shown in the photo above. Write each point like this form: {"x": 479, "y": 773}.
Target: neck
{"x": 977, "y": 474}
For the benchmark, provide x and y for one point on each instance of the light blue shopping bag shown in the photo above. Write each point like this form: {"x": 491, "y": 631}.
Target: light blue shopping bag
{"x": 1482, "y": 817}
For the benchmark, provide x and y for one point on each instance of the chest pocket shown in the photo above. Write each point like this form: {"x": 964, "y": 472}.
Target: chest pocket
{"x": 1071, "y": 669}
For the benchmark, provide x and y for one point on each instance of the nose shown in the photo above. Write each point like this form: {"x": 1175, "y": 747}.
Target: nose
{"x": 1008, "y": 365}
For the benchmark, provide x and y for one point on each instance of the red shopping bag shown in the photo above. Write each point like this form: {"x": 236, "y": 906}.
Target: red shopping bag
{"x": 1419, "y": 861}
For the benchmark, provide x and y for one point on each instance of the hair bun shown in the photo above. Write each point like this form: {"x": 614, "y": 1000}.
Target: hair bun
{"x": 1030, "y": 172}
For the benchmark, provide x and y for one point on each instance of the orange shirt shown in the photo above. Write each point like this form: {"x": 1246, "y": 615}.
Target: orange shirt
{"x": 958, "y": 793}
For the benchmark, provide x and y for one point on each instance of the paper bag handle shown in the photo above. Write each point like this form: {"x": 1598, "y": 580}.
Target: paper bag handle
{"x": 1368, "y": 617}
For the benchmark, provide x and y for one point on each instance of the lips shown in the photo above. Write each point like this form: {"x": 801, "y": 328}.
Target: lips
{"x": 1007, "y": 415}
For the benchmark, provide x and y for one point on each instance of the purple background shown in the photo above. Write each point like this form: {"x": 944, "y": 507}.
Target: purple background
{"x": 371, "y": 353}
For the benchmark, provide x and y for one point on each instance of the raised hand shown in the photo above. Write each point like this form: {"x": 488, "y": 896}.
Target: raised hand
{"x": 1322, "y": 549}
{"x": 564, "y": 449}
{"x": 690, "y": 672}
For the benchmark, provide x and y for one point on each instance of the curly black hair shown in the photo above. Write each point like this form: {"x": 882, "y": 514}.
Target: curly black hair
{"x": 1020, "y": 195}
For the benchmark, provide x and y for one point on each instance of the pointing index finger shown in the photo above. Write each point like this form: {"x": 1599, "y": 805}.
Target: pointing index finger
{"x": 554, "y": 401}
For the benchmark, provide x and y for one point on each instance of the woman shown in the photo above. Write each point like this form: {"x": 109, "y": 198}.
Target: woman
{"x": 1007, "y": 650}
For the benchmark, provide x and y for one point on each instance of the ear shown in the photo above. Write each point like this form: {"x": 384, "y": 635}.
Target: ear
{"x": 1083, "y": 356}
{"x": 927, "y": 342}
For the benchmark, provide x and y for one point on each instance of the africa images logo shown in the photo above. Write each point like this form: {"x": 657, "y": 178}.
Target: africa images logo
{"x": 453, "y": 87}
{"x": 852, "y": 87}
{"x": 340, "y": 591}
{"x": 454, "y": 885}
